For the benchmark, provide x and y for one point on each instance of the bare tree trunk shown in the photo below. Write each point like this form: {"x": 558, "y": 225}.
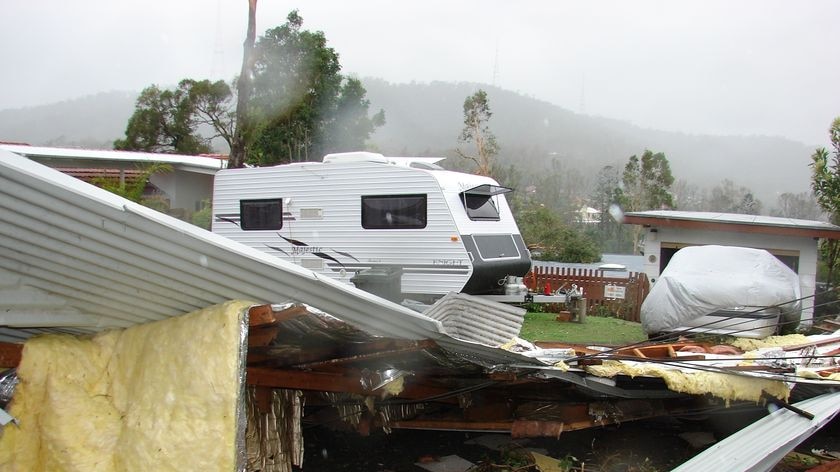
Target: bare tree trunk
{"x": 245, "y": 85}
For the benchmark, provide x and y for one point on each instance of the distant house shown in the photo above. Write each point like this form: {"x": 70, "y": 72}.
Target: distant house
{"x": 589, "y": 215}
{"x": 794, "y": 242}
{"x": 185, "y": 188}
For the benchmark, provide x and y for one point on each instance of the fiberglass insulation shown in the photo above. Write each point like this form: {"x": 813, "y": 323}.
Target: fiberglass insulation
{"x": 160, "y": 396}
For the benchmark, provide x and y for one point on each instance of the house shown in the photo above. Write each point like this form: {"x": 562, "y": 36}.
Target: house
{"x": 185, "y": 188}
{"x": 589, "y": 215}
{"x": 792, "y": 241}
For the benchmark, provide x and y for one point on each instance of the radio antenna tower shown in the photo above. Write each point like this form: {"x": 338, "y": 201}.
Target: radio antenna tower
{"x": 496, "y": 66}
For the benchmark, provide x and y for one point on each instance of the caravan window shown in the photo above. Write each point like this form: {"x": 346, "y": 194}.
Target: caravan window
{"x": 393, "y": 211}
{"x": 264, "y": 214}
{"x": 478, "y": 201}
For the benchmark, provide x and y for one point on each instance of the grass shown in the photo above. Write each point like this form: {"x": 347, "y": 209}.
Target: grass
{"x": 544, "y": 327}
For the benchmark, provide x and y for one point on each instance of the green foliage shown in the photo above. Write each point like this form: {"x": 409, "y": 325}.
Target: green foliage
{"x": 167, "y": 120}
{"x": 543, "y": 229}
{"x": 299, "y": 106}
{"x": 202, "y": 218}
{"x": 132, "y": 189}
{"x": 647, "y": 183}
{"x": 476, "y": 132}
{"x": 302, "y": 107}
{"x": 825, "y": 182}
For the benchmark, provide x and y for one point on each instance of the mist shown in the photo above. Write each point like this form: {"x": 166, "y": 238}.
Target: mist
{"x": 699, "y": 67}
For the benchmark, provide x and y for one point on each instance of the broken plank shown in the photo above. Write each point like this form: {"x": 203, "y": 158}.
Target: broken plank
{"x": 10, "y": 354}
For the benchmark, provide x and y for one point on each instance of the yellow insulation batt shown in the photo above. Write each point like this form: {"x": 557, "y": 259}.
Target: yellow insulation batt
{"x": 746, "y": 344}
{"x": 161, "y": 396}
{"x": 725, "y": 386}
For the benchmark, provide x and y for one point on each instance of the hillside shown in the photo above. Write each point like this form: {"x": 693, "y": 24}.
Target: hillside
{"x": 425, "y": 119}
{"x": 94, "y": 121}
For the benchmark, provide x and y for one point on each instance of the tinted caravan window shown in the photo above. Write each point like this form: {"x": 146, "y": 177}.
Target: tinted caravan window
{"x": 478, "y": 201}
{"x": 481, "y": 207}
{"x": 394, "y": 211}
{"x": 264, "y": 214}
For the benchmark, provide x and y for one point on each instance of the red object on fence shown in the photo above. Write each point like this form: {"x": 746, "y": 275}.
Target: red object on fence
{"x": 547, "y": 289}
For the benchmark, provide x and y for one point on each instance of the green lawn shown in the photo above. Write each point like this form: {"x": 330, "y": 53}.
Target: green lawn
{"x": 544, "y": 327}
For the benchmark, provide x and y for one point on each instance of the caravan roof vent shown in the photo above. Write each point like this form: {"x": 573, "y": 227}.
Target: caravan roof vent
{"x": 359, "y": 156}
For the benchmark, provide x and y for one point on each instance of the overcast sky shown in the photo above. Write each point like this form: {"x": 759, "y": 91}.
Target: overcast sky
{"x": 717, "y": 67}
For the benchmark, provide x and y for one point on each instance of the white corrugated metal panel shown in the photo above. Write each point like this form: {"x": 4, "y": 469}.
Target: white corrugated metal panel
{"x": 98, "y": 255}
{"x": 761, "y": 445}
{"x": 70, "y": 249}
{"x": 474, "y": 319}
{"x": 194, "y": 163}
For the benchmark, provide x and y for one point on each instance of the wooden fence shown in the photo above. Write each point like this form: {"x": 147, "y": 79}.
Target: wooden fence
{"x": 621, "y": 296}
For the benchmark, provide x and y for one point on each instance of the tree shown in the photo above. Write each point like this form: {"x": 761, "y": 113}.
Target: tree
{"x": 164, "y": 121}
{"x": 689, "y": 196}
{"x": 476, "y": 131}
{"x": 647, "y": 183}
{"x": 543, "y": 229}
{"x": 825, "y": 182}
{"x": 238, "y": 144}
{"x": 728, "y": 198}
{"x": 797, "y": 205}
{"x": 168, "y": 120}
{"x": 134, "y": 189}
{"x": 292, "y": 105}
{"x": 301, "y": 105}
{"x": 606, "y": 197}
{"x": 213, "y": 102}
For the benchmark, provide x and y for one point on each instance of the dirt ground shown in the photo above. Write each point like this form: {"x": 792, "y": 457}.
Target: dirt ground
{"x": 641, "y": 446}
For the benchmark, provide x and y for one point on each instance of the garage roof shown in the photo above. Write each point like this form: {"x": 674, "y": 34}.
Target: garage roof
{"x": 716, "y": 221}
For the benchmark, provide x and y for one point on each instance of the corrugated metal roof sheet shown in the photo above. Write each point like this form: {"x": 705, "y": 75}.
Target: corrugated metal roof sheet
{"x": 476, "y": 319}
{"x": 194, "y": 163}
{"x": 124, "y": 264}
{"x": 82, "y": 259}
{"x": 761, "y": 445}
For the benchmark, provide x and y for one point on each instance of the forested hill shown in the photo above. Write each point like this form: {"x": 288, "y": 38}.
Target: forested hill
{"x": 427, "y": 118}
{"x": 94, "y": 121}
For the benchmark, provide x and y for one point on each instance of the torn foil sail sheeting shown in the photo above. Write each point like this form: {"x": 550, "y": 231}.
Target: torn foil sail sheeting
{"x": 275, "y": 439}
{"x": 475, "y": 319}
{"x": 8, "y": 382}
{"x": 349, "y": 406}
{"x": 242, "y": 404}
{"x": 328, "y": 328}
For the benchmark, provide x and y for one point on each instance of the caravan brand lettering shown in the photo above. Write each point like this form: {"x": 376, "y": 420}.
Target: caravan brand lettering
{"x": 300, "y": 250}
{"x": 448, "y": 262}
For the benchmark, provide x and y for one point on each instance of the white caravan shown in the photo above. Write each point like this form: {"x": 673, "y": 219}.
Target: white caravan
{"x": 444, "y": 231}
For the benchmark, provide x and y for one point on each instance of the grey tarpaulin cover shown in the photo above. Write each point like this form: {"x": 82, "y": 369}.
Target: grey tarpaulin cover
{"x": 700, "y": 280}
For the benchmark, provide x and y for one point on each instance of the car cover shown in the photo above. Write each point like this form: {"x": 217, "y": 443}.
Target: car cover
{"x": 700, "y": 280}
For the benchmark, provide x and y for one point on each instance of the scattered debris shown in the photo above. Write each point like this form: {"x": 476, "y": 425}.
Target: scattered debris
{"x": 451, "y": 463}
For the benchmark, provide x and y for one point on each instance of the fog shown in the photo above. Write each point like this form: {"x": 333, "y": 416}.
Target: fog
{"x": 700, "y": 67}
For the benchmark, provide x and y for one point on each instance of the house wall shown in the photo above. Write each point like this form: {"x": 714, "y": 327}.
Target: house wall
{"x": 655, "y": 238}
{"x": 185, "y": 189}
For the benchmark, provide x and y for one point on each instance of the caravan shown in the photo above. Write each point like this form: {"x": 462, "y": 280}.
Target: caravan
{"x": 443, "y": 231}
